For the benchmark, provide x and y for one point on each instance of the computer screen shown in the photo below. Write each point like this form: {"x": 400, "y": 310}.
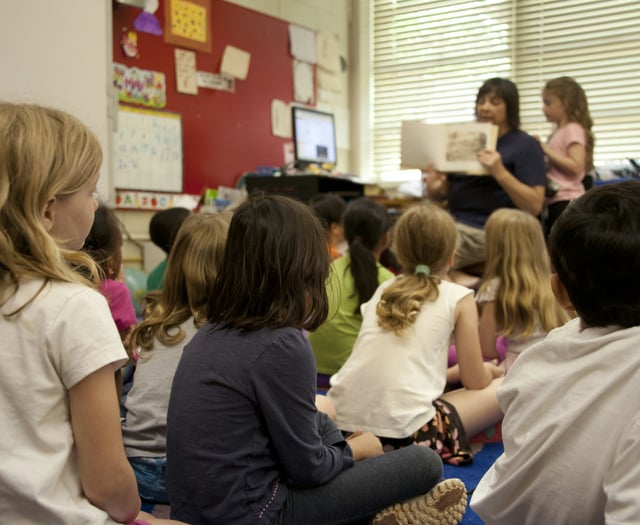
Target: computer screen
{"x": 314, "y": 137}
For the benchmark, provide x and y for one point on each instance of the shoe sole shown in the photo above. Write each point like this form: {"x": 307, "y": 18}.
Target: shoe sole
{"x": 444, "y": 504}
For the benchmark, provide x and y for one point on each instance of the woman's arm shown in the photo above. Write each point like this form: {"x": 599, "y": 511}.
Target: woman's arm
{"x": 474, "y": 373}
{"x": 106, "y": 476}
{"x": 525, "y": 197}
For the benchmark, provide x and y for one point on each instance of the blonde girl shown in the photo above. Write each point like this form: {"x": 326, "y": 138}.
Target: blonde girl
{"x": 569, "y": 149}
{"x": 515, "y": 299}
{"x": 171, "y": 317}
{"x": 64, "y": 459}
{"x": 393, "y": 383}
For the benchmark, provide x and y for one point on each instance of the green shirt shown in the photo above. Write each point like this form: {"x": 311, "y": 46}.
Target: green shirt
{"x": 155, "y": 281}
{"x": 333, "y": 340}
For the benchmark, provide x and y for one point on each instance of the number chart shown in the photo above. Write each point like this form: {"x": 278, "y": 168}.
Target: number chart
{"x": 148, "y": 150}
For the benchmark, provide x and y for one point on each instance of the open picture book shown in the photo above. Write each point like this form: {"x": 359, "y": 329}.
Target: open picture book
{"x": 450, "y": 148}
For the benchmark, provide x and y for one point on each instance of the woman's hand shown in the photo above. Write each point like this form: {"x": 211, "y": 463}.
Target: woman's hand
{"x": 435, "y": 183}
{"x": 364, "y": 445}
{"x": 492, "y": 160}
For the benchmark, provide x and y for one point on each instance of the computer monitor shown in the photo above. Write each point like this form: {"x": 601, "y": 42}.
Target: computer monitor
{"x": 314, "y": 137}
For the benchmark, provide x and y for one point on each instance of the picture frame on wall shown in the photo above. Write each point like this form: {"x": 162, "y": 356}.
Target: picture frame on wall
{"x": 187, "y": 24}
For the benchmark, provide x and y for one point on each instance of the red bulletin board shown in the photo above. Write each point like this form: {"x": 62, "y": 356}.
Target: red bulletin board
{"x": 224, "y": 134}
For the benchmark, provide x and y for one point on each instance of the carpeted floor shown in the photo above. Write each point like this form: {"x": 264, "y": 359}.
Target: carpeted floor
{"x": 471, "y": 475}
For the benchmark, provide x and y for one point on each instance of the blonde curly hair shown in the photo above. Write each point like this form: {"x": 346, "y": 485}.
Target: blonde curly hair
{"x": 425, "y": 234}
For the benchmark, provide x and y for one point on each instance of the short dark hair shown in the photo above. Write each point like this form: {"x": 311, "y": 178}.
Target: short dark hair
{"x": 104, "y": 242}
{"x": 164, "y": 225}
{"x": 507, "y": 91}
{"x": 274, "y": 269}
{"x": 595, "y": 250}
{"x": 329, "y": 207}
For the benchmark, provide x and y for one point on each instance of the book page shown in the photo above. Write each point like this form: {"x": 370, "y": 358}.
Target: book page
{"x": 450, "y": 148}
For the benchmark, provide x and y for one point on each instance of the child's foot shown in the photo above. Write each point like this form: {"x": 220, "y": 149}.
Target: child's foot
{"x": 444, "y": 504}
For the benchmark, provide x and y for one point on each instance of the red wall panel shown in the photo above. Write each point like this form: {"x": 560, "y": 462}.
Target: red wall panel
{"x": 224, "y": 134}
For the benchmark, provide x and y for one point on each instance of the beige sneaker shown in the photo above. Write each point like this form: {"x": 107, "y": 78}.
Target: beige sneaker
{"x": 444, "y": 504}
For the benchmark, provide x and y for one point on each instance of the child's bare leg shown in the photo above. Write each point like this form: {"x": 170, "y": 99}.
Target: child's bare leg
{"x": 478, "y": 409}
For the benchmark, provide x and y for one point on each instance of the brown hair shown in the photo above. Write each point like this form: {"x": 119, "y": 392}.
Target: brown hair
{"x": 574, "y": 100}
{"x": 274, "y": 269}
{"x": 192, "y": 267}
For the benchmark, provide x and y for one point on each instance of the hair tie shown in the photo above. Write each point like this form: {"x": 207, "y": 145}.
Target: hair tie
{"x": 423, "y": 268}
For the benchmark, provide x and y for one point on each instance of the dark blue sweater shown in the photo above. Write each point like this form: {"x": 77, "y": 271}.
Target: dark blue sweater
{"x": 473, "y": 198}
{"x": 241, "y": 427}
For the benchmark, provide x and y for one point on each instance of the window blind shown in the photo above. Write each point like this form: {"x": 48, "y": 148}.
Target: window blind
{"x": 597, "y": 43}
{"x": 429, "y": 58}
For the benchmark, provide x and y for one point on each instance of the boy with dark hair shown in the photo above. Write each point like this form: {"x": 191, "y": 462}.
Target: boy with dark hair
{"x": 162, "y": 230}
{"x": 572, "y": 410}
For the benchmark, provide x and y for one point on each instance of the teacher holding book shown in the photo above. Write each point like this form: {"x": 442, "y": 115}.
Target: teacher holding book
{"x": 516, "y": 174}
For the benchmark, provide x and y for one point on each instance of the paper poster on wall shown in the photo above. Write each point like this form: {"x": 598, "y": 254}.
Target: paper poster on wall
{"x": 187, "y": 24}
{"x": 215, "y": 81}
{"x": 327, "y": 51}
{"x": 186, "y": 79}
{"x": 148, "y": 150}
{"x": 139, "y": 86}
{"x": 280, "y": 119}
{"x": 302, "y": 44}
{"x": 302, "y": 82}
{"x": 235, "y": 62}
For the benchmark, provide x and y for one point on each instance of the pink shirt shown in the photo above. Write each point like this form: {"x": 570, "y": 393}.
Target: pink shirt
{"x": 570, "y": 187}
{"x": 120, "y": 303}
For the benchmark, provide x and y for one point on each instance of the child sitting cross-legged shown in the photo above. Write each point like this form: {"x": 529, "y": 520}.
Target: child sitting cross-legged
{"x": 394, "y": 380}
{"x": 571, "y": 428}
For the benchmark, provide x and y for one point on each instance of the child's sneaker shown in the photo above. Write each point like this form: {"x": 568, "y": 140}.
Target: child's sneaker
{"x": 444, "y": 504}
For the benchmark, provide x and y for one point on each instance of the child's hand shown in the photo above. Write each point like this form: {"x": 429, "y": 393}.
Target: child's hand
{"x": 494, "y": 369}
{"x": 364, "y": 445}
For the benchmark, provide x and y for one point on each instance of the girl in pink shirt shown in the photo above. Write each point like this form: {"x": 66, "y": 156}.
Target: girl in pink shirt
{"x": 569, "y": 149}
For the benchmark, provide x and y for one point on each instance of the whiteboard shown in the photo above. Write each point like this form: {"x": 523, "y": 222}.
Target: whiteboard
{"x": 148, "y": 150}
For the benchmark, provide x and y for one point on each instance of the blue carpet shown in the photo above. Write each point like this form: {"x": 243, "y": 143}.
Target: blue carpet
{"x": 471, "y": 474}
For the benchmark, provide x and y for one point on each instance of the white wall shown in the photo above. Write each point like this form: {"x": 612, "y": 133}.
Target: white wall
{"x": 58, "y": 53}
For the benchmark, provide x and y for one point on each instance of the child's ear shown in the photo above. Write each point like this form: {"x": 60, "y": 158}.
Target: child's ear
{"x": 560, "y": 292}
{"x": 48, "y": 215}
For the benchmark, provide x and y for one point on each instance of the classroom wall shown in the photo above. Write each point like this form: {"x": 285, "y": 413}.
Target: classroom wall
{"x": 226, "y": 134}
{"x": 58, "y": 53}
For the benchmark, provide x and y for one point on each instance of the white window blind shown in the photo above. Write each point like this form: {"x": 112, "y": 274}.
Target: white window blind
{"x": 430, "y": 57}
{"x": 598, "y": 44}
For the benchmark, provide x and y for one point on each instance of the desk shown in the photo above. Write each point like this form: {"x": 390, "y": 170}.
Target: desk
{"x": 304, "y": 187}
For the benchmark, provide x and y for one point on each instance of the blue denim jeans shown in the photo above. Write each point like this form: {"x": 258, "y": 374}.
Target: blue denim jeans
{"x": 356, "y": 494}
{"x": 151, "y": 475}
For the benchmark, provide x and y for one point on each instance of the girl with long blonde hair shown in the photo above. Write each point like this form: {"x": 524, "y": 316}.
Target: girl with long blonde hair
{"x": 171, "y": 317}
{"x": 515, "y": 299}
{"x": 65, "y": 460}
{"x": 393, "y": 383}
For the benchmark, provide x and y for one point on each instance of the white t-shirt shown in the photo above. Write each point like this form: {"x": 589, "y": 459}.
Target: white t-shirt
{"x": 63, "y": 336}
{"x": 571, "y": 432}
{"x": 388, "y": 383}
